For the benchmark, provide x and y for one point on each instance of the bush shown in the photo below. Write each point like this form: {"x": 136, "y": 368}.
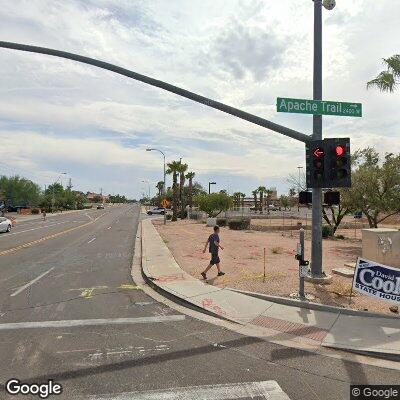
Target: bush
{"x": 327, "y": 231}
{"x": 87, "y": 207}
{"x": 221, "y": 221}
{"x": 169, "y": 217}
{"x": 239, "y": 224}
{"x": 183, "y": 214}
{"x": 35, "y": 211}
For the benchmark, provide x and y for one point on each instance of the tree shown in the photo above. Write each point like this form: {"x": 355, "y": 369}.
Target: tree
{"x": 336, "y": 215}
{"x": 284, "y": 201}
{"x": 236, "y": 198}
{"x": 182, "y": 169}
{"x": 214, "y": 203}
{"x": 269, "y": 194}
{"x": 375, "y": 185}
{"x": 190, "y": 176}
{"x": 254, "y": 193}
{"x": 160, "y": 187}
{"x": 389, "y": 79}
{"x": 17, "y": 191}
{"x": 174, "y": 168}
{"x": 242, "y": 195}
{"x": 261, "y": 190}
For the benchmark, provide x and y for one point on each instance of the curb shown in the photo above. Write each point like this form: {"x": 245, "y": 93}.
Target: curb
{"x": 313, "y": 306}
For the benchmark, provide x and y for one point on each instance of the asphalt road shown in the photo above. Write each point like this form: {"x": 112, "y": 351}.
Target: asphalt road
{"x": 75, "y": 268}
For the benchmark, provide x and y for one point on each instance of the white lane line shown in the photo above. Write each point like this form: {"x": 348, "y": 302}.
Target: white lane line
{"x": 91, "y": 240}
{"x": 40, "y": 227}
{"x": 89, "y": 216}
{"x": 259, "y": 390}
{"x": 89, "y": 322}
{"x": 22, "y": 288}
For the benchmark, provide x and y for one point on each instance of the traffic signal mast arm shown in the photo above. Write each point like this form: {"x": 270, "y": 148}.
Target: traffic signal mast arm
{"x": 163, "y": 85}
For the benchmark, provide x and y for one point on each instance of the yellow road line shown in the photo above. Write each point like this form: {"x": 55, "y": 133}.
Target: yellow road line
{"x": 29, "y": 244}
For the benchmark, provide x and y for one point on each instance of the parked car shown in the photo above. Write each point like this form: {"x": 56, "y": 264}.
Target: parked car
{"x": 156, "y": 211}
{"x": 272, "y": 207}
{"x": 5, "y": 224}
{"x": 100, "y": 207}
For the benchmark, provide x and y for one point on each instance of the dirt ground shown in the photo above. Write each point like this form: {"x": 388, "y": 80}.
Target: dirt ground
{"x": 243, "y": 262}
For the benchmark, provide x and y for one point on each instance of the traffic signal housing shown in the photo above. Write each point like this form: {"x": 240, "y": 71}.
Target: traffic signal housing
{"x": 315, "y": 164}
{"x": 328, "y": 163}
{"x": 338, "y": 165}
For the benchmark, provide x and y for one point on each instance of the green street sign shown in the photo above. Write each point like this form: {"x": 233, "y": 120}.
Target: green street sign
{"x": 318, "y": 107}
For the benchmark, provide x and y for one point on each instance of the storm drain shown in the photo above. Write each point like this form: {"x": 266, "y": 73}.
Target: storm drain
{"x": 292, "y": 328}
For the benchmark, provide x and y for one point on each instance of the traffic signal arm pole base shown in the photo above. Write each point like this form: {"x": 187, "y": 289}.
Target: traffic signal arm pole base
{"x": 323, "y": 279}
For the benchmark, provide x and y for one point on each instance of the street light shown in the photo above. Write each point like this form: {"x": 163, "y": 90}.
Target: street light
{"x": 209, "y": 186}
{"x": 53, "y": 200}
{"x": 164, "y": 186}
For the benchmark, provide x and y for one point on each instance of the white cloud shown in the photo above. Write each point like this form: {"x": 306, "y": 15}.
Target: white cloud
{"x": 245, "y": 53}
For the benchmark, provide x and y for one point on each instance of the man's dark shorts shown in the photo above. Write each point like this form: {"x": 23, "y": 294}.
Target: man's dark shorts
{"x": 214, "y": 259}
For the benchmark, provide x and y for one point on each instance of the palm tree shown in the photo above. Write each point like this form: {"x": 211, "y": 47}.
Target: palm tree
{"x": 269, "y": 193}
{"x": 388, "y": 80}
{"x": 236, "y": 199}
{"x": 261, "y": 190}
{"x": 160, "y": 187}
{"x": 190, "y": 176}
{"x": 242, "y": 195}
{"x": 182, "y": 169}
{"x": 254, "y": 192}
{"x": 174, "y": 168}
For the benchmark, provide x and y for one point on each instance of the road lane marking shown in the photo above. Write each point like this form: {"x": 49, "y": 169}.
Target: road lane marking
{"x": 40, "y": 227}
{"x": 29, "y": 244}
{"x": 91, "y": 240}
{"x": 91, "y": 322}
{"x": 245, "y": 391}
{"x": 87, "y": 292}
{"x": 89, "y": 216}
{"x": 22, "y": 288}
{"x": 129, "y": 286}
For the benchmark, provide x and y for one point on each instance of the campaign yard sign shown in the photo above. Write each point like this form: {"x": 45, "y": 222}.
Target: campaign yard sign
{"x": 377, "y": 280}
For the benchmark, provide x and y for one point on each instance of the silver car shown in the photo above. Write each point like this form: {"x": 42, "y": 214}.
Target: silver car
{"x": 5, "y": 224}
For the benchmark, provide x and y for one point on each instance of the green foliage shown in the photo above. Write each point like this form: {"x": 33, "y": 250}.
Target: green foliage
{"x": 388, "y": 80}
{"x": 17, "y": 191}
{"x": 327, "y": 231}
{"x": 375, "y": 185}
{"x": 214, "y": 203}
{"x": 239, "y": 224}
{"x": 34, "y": 211}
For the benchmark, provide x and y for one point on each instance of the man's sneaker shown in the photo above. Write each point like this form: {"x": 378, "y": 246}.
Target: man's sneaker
{"x": 203, "y": 274}
{"x": 221, "y": 273}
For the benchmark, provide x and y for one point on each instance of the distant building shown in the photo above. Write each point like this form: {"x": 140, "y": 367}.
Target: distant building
{"x": 97, "y": 197}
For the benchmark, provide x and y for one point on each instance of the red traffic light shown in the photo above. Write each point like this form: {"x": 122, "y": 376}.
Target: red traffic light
{"x": 340, "y": 150}
{"x": 318, "y": 152}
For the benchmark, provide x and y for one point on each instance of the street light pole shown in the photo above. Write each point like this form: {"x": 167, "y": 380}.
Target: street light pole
{"x": 316, "y": 250}
{"x": 164, "y": 186}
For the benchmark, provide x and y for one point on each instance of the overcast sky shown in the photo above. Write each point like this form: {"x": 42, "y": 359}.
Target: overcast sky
{"x": 61, "y": 116}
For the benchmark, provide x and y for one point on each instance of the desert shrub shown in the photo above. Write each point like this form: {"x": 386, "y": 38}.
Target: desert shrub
{"x": 183, "y": 214}
{"x": 221, "y": 221}
{"x": 239, "y": 224}
{"x": 169, "y": 217}
{"x": 276, "y": 250}
{"x": 327, "y": 231}
{"x": 35, "y": 211}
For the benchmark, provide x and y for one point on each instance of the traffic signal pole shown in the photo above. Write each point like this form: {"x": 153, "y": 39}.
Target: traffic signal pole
{"x": 316, "y": 249}
{"x": 316, "y": 273}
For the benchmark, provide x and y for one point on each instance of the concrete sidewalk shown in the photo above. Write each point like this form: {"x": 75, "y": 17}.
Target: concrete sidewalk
{"x": 314, "y": 325}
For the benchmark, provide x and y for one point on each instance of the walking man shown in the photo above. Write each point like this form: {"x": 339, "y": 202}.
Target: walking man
{"x": 44, "y": 214}
{"x": 214, "y": 246}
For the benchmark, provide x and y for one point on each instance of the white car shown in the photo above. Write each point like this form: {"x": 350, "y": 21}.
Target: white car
{"x": 157, "y": 210}
{"x": 5, "y": 224}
